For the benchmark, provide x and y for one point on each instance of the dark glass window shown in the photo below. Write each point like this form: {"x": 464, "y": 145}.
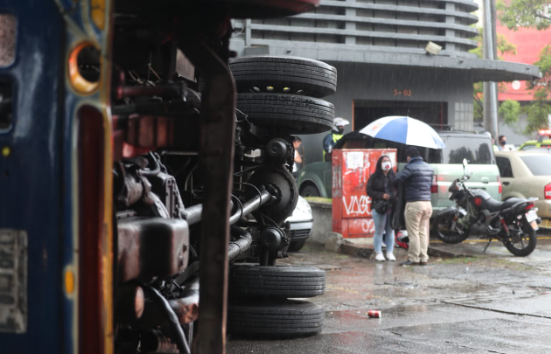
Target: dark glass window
{"x": 6, "y": 110}
{"x": 477, "y": 150}
{"x": 539, "y": 165}
{"x": 428, "y": 155}
{"x": 504, "y": 165}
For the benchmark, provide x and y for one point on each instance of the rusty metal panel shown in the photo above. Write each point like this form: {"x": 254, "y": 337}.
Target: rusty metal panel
{"x": 13, "y": 281}
{"x": 152, "y": 247}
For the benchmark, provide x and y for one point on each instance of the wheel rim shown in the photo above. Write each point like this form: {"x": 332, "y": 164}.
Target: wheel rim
{"x": 518, "y": 239}
{"x": 443, "y": 229}
{"x": 284, "y": 75}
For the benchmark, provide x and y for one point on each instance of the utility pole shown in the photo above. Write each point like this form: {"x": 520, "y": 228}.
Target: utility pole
{"x": 490, "y": 53}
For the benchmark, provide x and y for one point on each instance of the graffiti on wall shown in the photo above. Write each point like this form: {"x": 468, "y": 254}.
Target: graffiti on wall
{"x": 356, "y": 205}
{"x": 361, "y": 227}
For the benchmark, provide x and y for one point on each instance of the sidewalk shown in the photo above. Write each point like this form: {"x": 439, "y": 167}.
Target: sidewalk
{"x": 364, "y": 249}
{"x": 469, "y": 248}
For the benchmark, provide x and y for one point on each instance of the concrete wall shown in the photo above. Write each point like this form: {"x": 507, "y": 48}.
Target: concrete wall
{"x": 323, "y": 222}
{"x": 368, "y": 82}
{"x": 514, "y": 134}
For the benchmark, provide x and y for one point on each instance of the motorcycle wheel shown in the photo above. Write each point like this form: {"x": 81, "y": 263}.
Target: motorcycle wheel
{"x": 441, "y": 229}
{"x": 524, "y": 243}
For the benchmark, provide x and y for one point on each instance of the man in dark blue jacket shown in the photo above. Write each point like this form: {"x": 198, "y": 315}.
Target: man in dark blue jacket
{"x": 417, "y": 179}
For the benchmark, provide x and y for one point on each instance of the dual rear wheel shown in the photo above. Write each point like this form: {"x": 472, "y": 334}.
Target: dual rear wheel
{"x": 261, "y": 300}
{"x": 281, "y": 95}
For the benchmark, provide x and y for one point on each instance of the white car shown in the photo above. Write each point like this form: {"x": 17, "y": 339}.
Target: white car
{"x": 300, "y": 224}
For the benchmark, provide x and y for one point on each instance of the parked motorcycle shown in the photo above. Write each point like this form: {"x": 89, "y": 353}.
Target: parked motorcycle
{"x": 513, "y": 222}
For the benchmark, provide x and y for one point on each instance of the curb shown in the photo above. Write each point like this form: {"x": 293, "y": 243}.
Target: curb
{"x": 356, "y": 251}
{"x": 436, "y": 252}
{"x": 366, "y": 251}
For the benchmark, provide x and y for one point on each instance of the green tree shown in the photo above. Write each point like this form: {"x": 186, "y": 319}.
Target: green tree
{"x": 540, "y": 109}
{"x": 544, "y": 64}
{"x": 532, "y": 14}
{"x": 524, "y": 13}
{"x": 510, "y": 110}
{"x": 538, "y": 112}
{"x": 503, "y": 47}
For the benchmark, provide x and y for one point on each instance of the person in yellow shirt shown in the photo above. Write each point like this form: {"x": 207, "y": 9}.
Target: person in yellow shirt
{"x": 331, "y": 139}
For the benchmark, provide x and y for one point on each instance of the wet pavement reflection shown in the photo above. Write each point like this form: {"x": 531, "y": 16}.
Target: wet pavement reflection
{"x": 481, "y": 303}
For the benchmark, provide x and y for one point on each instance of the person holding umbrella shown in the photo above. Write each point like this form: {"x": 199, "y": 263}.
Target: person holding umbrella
{"x": 417, "y": 179}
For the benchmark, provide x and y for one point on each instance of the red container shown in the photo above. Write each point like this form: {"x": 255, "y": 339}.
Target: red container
{"x": 374, "y": 314}
{"x": 351, "y": 205}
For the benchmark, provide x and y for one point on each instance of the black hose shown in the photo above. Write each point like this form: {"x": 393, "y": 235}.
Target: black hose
{"x": 152, "y": 172}
{"x": 171, "y": 316}
{"x": 236, "y": 248}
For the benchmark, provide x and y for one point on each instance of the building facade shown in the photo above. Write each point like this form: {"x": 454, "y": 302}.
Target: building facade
{"x": 378, "y": 48}
{"x": 529, "y": 43}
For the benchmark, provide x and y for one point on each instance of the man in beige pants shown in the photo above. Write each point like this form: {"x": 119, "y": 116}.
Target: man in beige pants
{"x": 417, "y": 179}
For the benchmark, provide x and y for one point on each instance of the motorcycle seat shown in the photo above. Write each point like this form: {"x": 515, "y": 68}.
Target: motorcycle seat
{"x": 494, "y": 205}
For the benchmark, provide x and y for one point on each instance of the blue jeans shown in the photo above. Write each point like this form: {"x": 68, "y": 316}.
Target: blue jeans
{"x": 382, "y": 225}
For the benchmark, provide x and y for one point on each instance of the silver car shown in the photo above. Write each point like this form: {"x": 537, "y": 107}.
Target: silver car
{"x": 300, "y": 224}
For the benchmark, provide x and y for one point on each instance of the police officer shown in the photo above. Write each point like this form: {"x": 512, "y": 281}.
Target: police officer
{"x": 331, "y": 139}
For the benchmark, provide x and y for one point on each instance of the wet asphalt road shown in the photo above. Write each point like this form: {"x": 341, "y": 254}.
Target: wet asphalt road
{"x": 484, "y": 303}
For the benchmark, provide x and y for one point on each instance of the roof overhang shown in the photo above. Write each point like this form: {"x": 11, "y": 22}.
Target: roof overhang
{"x": 476, "y": 69}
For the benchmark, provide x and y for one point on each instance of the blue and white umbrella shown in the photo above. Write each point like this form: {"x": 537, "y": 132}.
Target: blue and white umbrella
{"x": 405, "y": 130}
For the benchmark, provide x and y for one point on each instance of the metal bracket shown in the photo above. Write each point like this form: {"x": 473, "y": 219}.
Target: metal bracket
{"x": 489, "y": 241}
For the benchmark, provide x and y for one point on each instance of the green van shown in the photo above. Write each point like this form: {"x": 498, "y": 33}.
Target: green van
{"x": 315, "y": 178}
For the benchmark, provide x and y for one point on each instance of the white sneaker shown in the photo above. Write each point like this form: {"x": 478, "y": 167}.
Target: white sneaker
{"x": 390, "y": 257}
{"x": 379, "y": 257}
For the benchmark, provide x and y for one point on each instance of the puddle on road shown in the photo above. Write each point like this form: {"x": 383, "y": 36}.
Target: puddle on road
{"x": 403, "y": 284}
